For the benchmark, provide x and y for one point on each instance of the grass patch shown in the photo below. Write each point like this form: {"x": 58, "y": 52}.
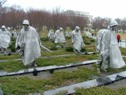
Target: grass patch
{"x": 123, "y": 35}
{"x": 60, "y": 60}
{"x": 11, "y": 57}
{"x": 20, "y": 85}
{"x": 98, "y": 91}
{"x": 56, "y": 52}
{"x": 11, "y": 66}
{"x": 16, "y": 65}
{"x": 24, "y": 85}
{"x": 123, "y": 51}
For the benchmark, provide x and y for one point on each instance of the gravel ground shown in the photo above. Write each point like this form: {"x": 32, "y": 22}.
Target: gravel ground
{"x": 118, "y": 84}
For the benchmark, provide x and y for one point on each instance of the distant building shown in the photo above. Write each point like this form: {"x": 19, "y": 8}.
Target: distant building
{"x": 78, "y": 13}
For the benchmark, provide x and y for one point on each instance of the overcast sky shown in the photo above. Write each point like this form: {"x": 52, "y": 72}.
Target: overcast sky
{"x": 103, "y": 8}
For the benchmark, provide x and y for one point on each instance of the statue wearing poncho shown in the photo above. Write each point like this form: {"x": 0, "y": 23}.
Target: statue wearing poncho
{"x": 28, "y": 42}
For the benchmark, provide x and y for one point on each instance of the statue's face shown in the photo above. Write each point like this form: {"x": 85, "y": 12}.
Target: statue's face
{"x": 114, "y": 27}
{"x": 3, "y": 29}
{"x": 26, "y": 27}
{"x": 77, "y": 30}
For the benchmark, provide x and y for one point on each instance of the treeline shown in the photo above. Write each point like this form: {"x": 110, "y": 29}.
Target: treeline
{"x": 13, "y": 17}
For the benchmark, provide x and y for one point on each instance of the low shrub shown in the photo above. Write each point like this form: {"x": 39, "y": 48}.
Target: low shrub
{"x": 87, "y": 43}
{"x": 12, "y": 45}
{"x": 83, "y": 50}
{"x": 69, "y": 49}
{"x": 53, "y": 48}
{"x": 44, "y": 39}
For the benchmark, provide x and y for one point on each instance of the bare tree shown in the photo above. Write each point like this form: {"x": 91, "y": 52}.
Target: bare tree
{"x": 13, "y": 16}
{"x": 119, "y": 22}
{"x": 123, "y": 24}
{"x": 99, "y": 22}
{"x": 1, "y": 10}
{"x": 2, "y": 2}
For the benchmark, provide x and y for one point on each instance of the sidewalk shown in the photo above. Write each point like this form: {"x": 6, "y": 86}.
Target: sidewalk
{"x": 122, "y": 44}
